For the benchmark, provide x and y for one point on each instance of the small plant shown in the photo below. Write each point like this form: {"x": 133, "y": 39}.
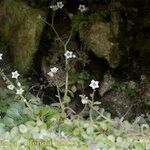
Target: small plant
{"x": 68, "y": 54}
{"x": 28, "y": 124}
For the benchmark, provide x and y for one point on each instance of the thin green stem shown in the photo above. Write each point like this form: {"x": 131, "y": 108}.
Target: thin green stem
{"x": 65, "y": 49}
{"x": 53, "y": 16}
{"x": 93, "y": 94}
{"x": 109, "y": 120}
{"x": 59, "y": 97}
{"x": 70, "y": 110}
{"x": 54, "y": 31}
{"x": 69, "y": 38}
{"x": 67, "y": 74}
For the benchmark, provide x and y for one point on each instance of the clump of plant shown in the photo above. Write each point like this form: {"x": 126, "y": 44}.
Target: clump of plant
{"x": 28, "y": 124}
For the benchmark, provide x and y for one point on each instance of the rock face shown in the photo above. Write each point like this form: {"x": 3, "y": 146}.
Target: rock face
{"x": 96, "y": 37}
{"x": 118, "y": 103}
{"x": 21, "y": 28}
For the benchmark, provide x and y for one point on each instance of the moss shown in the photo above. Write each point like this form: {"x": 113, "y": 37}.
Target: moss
{"x": 23, "y": 30}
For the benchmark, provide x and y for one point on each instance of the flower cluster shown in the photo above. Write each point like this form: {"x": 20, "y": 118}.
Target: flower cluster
{"x": 69, "y": 54}
{"x": 52, "y": 71}
{"x": 84, "y": 99}
{"x": 19, "y": 91}
{"x": 59, "y": 5}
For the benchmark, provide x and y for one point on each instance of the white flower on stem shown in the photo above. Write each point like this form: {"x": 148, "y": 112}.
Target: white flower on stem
{"x": 82, "y": 8}
{"x": 10, "y": 87}
{"x": 69, "y": 54}
{"x": 84, "y": 99}
{"x": 94, "y": 84}
{"x": 54, "y": 69}
{"x": 54, "y": 7}
{"x": 15, "y": 75}
{"x": 60, "y": 5}
{"x": 20, "y": 91}
{"x": 1, "y": 55}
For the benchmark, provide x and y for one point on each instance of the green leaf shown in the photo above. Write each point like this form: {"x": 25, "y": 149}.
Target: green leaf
{"x": 76, "y": 132}
{"x": 90, "y": 130}
{"x": 61, "y": 84}
{"x": 71, "y": 93}
{"x": 45, "y": 110}
{"x": 139, "y": 146}
{"x": 97, "y": 103}
{"x": 66, "y": 99}
{"x": 65, "y": 128}
{"x": 36, "y": 111}
{"x": 9, "y": 122}
{"x": 103, "y": 125}
{"x": 14, "y": 131}
{"x": 13, "y": 113}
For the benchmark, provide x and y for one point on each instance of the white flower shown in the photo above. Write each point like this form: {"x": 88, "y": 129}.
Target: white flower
{"x": 94, "y": 84}
{"x": 1, "y": 56}
{"x": 54, "y": 69}
{"x": 69, "y": 54}
{"x": 54, "y": 7}
{"x": 60, "y": 5}
{"x": 82, "y": 8}
{"x": 84, "y": 99}
{"x": 23, "y": 128}
{"x": 10, "y": 87}
{"x": 15, "y": 74}
{"x": 20, "y": 91}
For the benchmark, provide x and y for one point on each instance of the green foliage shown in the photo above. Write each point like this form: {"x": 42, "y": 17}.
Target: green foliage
{"x": 6, "y": 99}
{"x": 48, "y": 123}
{"x": 75, "y": 133}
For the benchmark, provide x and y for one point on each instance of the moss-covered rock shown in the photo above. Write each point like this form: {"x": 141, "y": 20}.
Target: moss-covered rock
{"x": 20, "y": 26}
{"x": 96, "y": 36}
